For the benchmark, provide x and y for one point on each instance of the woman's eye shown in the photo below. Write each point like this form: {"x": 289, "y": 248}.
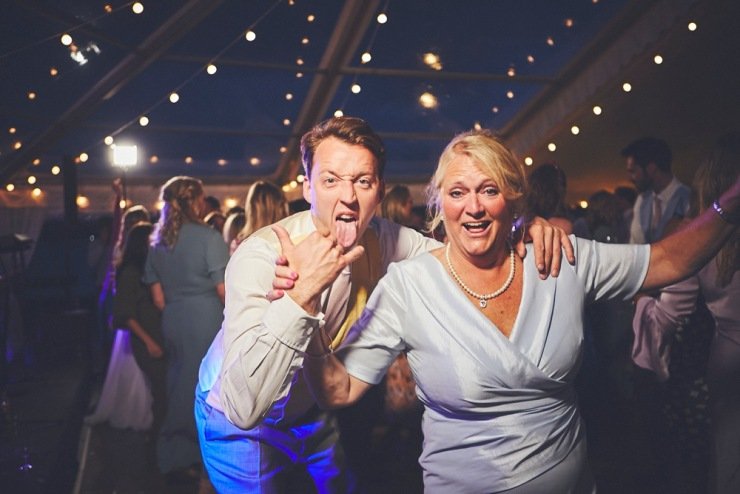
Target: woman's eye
{"x": 490, "y": 191}
{"x": 456, "y": 194}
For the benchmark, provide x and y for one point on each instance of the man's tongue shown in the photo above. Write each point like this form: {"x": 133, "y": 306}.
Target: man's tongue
{"x": 346, "y": 232}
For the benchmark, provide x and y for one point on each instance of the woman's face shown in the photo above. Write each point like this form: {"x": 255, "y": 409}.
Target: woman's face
{"x": 476, "y": 215}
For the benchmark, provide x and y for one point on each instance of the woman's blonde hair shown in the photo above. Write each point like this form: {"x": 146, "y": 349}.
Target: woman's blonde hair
{"x": 179, "y": 196}
{"x": 716, "y": 174}
{"x": 265, "y": 205}
{"x": 494, "y": 159}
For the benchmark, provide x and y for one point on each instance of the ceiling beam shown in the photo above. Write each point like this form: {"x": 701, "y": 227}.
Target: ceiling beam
{"x": 353, "y": 21}
{"x": 152, "y": 48}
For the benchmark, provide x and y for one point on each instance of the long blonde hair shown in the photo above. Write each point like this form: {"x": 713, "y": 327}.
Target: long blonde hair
{"x": 179, "y": 196}
{"x": 265, "y": 205}
{"x": 493, "y": 158}
{"x": 716, "y": 174}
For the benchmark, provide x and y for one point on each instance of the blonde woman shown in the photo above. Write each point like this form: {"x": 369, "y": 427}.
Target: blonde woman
{"x": 185, "y": 271}
{"x": 265, "y": 205}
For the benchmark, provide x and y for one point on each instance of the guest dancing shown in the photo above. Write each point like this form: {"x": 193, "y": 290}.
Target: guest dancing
{"x": 494, "y": 369}
{"x": 185, "y": 271}
{"x": 718, "y": 283}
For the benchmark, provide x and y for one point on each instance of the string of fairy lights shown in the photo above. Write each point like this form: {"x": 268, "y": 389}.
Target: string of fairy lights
{"x": 426, "y": 99}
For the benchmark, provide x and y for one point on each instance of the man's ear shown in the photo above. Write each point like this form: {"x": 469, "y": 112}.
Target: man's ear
{"x": 307, "y": 190}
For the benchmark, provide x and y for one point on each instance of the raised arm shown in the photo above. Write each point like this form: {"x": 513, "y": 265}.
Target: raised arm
{"x": 684, "y": 252}
{"x": 264, "y": 344}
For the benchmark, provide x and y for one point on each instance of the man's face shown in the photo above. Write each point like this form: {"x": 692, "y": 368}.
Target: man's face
{"x": 344, "y": 189}
{"x": 637, "y": 175}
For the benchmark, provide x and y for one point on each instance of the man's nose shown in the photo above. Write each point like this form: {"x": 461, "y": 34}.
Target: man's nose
{"x": 347, "y": 191}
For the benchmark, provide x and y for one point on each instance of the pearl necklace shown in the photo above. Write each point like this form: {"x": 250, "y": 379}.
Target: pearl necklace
{"x": 483, "y": 298}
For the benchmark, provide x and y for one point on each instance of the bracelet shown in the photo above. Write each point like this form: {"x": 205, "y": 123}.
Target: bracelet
{"x": 727, "y": 217}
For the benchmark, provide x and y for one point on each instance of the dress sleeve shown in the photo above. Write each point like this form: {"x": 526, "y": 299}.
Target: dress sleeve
{"x": 217, "y": 255}
{"x": 150, "y": 272}
{"x": 124, "y": 302}
{"x": 610, "y": 270}
{"x": 263, "y": 342}
{"x": 655, "y": 322}
{"x": 375, "y": 339}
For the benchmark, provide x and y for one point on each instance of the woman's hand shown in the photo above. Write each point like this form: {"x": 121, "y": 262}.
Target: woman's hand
{"x": 549, "y": 242}
{"x": 154, "y": 350}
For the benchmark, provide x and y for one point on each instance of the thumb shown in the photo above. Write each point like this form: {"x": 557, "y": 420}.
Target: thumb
{"x": 354, "y": 254}
{"x": 283, "y": 237}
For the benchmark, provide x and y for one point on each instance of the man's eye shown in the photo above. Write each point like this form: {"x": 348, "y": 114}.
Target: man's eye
{"x": 330, "y": 180}
{"x": 365, "y": 182}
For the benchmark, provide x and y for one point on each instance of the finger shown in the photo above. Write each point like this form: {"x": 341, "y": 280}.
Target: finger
{"x": 273, "y": 295}
{"x": 548, "y": 235}
{"x": 354, "y": 253}
{"x": 568, "y": 246}
{"x": 323, "y": 229}
{"x": 285, "y": 272}
{"x": 281, "y": 260}
{"x": 557, "y": 255}
{"x": 521, "y": 247}
{"x": 283, "y": 237}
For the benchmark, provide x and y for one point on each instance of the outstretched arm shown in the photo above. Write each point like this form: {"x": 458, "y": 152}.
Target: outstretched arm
{"x": 684, "y": 252}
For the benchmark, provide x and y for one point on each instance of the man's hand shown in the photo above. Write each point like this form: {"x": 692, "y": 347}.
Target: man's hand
{"x": 548, "y": 243}
{"x": 309, "y": 267}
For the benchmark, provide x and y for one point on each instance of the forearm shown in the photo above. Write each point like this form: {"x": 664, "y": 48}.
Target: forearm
{"x": 141, "y": 333}
{"x": 261, "y": 362}
{"x": 687, "y": 250}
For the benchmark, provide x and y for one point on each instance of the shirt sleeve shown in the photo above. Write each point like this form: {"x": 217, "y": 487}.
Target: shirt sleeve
{"x": 655, "y": 322}
{"x": 264, "y": 343}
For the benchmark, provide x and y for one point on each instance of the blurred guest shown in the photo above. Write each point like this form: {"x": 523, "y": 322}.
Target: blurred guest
{"x": 134, "y": 310}
{"x": 265, "y": 204}
{"x": 548, "y": 185}
{"x": 662, "y": 197}
{"x": 398, "y": 205}
{"x": 602, "y": 220}
{"x": 718, "y": 283}
{"x": 233, "y": 225}
{"x": 626, "y": 197}
{"x": 212, "y": 214}
{"x": 185, "y": 270}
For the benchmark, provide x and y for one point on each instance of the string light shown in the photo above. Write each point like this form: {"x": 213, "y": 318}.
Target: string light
{"x": 66, "y": 39}
{"x": 692, "y": 26}
{"x": 597, "y": 110}
{"x": 510, "y": 94}
{"x": 12, "y": 130}
{"x": 55, "y": 170}
{"x": 568, "y": 23}
{"x": 137, "y": 8}
{"x": 36, "y": 162}
{"x": 530, "y": 58}
{"x": 82, "y": 202}
{"x": 382, "y": 18}
{"x": 658, "y": 59}
{"x": 283, "y": 149}
{"x": 304, "y": 41}
{"x": 528, "y": 161}
{"x": 550, "y": 41}
{"x": 53, "y": 72}
{"x": 310, "y": 18}
{"x": 250, "y": 35}
{"x": 627, "y": 87}
{"x": 10, "y": 187}
{"x": 575, "y": 130}
{"x": 299, "y": 61}
{"x": 36, "y": 192}
{"x": 31, "y": 180}
{"x": 108, "y": 140}
{"x": 188, "y": 160}
{"x": 254, "y": 161}
{"x": 154, "y": 159}
{"x": 366, "y": 57}
{"x": 495, "y": 109}
{"x": 288, "y": 96}
{"x": 31, "y": 95}
{"x": 222, "y": 162}
{"x": 338, "y": 113}
{"x": 551, "y": 147}
{"x": 144, "y": 121}
{"x": 511, "y": 72}
{"x": 174, "y": 97}
{"x": 84, "y": 157}
{"x": 428, "y": 100}
{"x": 17, "y": 145}
{"x": 356, "y": 88}
{"x": 286, "y": 122}
{"x": 211, "y": 69}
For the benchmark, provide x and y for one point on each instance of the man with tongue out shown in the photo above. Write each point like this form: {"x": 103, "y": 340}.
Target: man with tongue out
{"x": 256, "y": 419}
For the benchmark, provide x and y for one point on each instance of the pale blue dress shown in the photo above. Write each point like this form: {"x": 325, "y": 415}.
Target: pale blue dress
{"x": 499, "y": 413}
{"x": 191, "y": 318}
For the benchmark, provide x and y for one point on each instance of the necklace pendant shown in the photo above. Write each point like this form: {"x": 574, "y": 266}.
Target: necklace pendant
{"x": 483, "y": 303}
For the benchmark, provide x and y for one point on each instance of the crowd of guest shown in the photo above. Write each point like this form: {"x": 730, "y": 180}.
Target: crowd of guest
{"x": 201, "y": 295}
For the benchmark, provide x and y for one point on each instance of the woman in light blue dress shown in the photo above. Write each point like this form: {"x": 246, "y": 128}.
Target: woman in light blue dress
{"x": 495, "y": 351}
{"x": 185, "y": 270}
